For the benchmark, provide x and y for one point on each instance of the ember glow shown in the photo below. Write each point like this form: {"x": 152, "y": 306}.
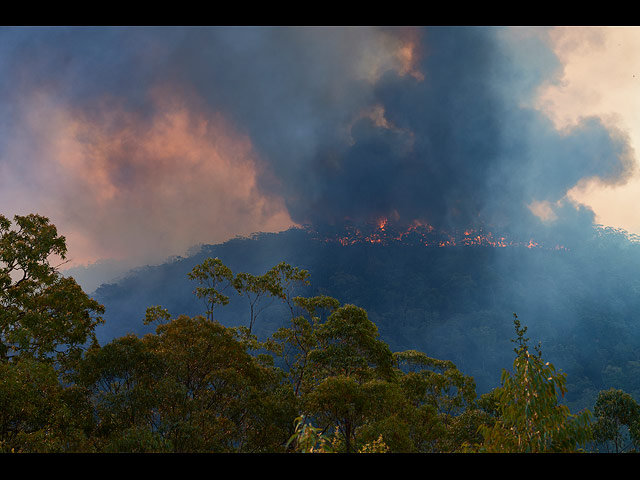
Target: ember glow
{"x": 382, "y": 232}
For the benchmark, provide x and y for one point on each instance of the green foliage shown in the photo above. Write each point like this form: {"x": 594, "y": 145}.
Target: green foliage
{"x": 156, "y": 314}
{"x": 190, "y": 387}
{"x": 43, "y": 315}
{"x": 442, "y": 402}
{"x": 617, "y": 425}
{"x": 255, "y": 288}
{"x": 197, "y": 386}
{"x": 120, "y": 378}
{"x": 295, "y": 344}
{"x": 338, "y": 367}
{"x": 344, "y": 403}
{"x": 350, "y": 383}
{"x": 286, "y": 278}
{"x": 38, "y": 414}
{"x": 308, "y": 439}
{"x": 214, "y": 278}
{"x": 349, "y": 345}
{"x": 530, "y": 418}
{"x": 434, "y": 382}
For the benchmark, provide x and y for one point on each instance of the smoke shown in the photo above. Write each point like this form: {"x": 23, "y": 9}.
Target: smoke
{"x": 461, "y": 147}
{"x": 141, "y": 142}
{"x": 124, "y": 179}
{"x": 445, "y": 131}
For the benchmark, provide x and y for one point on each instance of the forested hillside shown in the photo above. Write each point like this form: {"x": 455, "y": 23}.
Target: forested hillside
{"x": 367, "y": 348}
{"x": 454, "y": 303}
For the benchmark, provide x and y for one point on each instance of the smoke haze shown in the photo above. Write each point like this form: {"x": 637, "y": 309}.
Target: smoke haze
{"x": 139, "y": 143}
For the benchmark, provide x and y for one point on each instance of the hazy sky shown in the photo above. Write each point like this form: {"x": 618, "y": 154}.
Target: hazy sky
{"x": 601, "y": 77}
{"x": 139, "y": 143}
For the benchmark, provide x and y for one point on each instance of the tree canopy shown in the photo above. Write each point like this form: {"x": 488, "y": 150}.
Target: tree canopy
{"x": 325, "y": 381}
{"x": 43, "y": 314}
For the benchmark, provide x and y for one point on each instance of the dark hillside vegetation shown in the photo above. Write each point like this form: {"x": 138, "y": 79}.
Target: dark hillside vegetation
{"x": 454, "y": 303}
{"x": 297, "y": 369}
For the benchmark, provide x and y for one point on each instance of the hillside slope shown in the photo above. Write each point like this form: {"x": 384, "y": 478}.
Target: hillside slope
{"x": 453, "y": 303}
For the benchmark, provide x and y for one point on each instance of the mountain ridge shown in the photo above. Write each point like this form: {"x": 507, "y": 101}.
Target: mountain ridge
{"x": 454, "y": 303}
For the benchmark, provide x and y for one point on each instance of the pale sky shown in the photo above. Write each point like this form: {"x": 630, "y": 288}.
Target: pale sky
{"x": 601, "y": 77}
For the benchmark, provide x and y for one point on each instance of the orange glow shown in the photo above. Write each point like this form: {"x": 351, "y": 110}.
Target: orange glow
{"x": 138, "y": 187}
{"x": 409, "y": 54}
{"x": 419, "y": 233}
{"x": 376, "y": 114}
{"x": 396, "y": 49}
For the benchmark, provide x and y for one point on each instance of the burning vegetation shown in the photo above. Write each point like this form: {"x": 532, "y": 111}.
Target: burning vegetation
{"x": 384, "y": 232}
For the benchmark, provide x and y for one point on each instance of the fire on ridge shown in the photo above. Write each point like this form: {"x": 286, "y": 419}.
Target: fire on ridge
{"x": 384, "y": 232}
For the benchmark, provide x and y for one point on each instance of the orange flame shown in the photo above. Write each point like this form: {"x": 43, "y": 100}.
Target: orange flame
{"x": 384, "y": 233}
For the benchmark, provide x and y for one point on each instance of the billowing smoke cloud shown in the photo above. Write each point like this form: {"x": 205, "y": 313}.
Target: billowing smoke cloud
{"x": 128, "y": 172}
{"x": 444, "y": 131}
{"x": 160, "y": 138}
{"x": 460, "y": 147}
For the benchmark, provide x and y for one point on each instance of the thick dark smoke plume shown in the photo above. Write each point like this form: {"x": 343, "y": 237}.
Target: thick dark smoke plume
{"x": 457, "y": 146}
{"x": 430, "y": 124}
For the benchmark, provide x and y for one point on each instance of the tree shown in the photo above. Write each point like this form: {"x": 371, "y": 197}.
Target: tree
{"x": 617, "y": 424}
{"x": 214, "y": 277}
{"x": 255, "y": 288}
{"x": 122, "y": 379}
{"x": 37, "y": 413}
{"x": 190, "y": 387}
{"x": 285, "y": 279}
{"x": 46, "y": 322}
{"x": 353, "y": 408}
{"x": 435, "y": 382}
{"x": 349, "y": 345}
{"x": 308, "y": 439}
{"x": 530, "y": 418}
{"x": 361, "y": 395}
{"x": 442, "y": 416}
{"x": 351, "y": 374}
{"x": 43, "y": 315}
{"x": 296, "y": 342}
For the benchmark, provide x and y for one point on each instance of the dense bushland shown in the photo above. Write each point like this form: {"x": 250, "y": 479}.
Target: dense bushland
{"x": 323, "y": 381}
